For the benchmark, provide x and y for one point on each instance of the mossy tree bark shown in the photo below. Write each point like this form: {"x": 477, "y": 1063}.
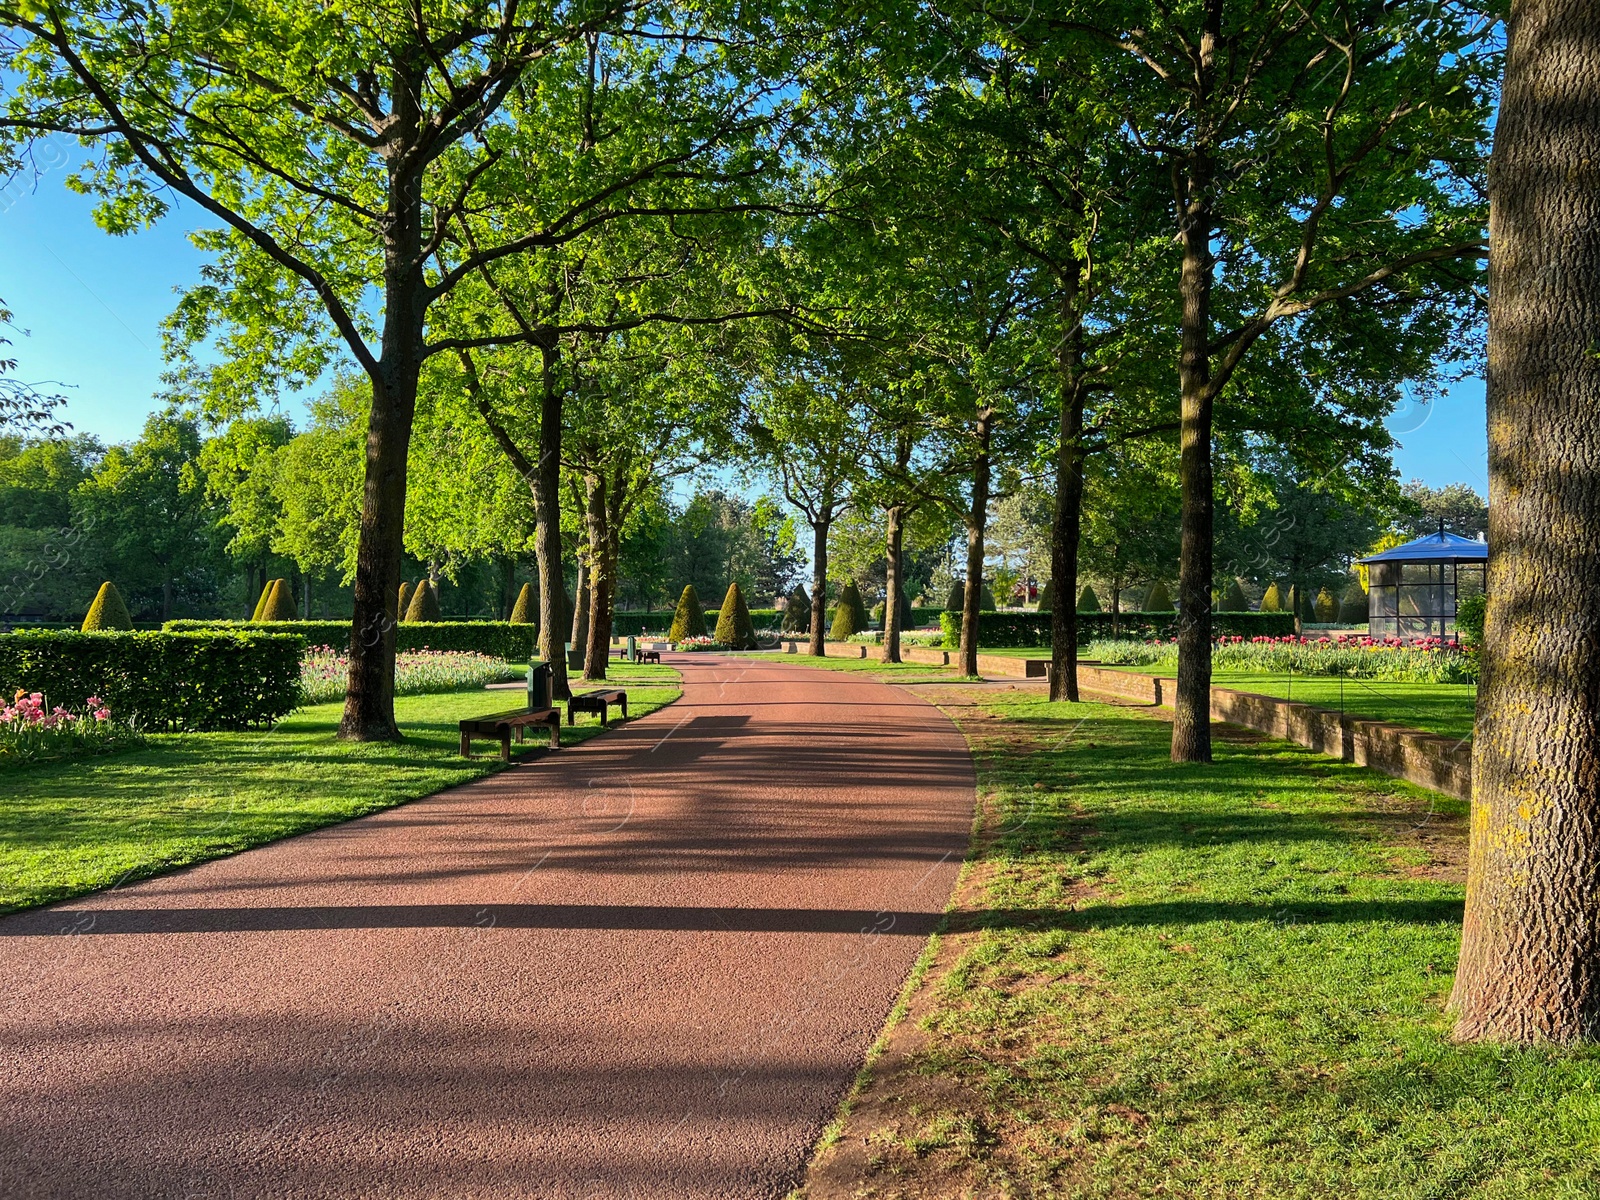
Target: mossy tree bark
{"x": 977, "y": 520}
{"x": 1530, "y": 949}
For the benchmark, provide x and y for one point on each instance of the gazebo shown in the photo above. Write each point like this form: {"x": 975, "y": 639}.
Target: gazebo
{"x": 1412, "y": 590}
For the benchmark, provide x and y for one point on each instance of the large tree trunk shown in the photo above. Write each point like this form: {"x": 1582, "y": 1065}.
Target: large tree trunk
{"x": 1191, "y": 724}
{"x": 369, "y": 694}
{"x": 895, "y": 553}
{"x": 895, "y": 536}
{"x": 977, "y": 523}
{"x": 547, "y": 537}
{"x": 819, "y": 588}
{"x": 578, "y": 634}
{"x": 1530, "y": 948}
{"x": 1066, "y": 523}
{"x": 598, "y": 648}
{"x": 1066, "y": 532}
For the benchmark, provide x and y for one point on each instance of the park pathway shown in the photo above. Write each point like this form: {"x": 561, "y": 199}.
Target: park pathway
{"x": 646, "y": 966}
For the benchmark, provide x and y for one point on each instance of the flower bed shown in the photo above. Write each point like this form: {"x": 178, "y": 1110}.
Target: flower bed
{"x": 324, "y": 672}
{"x": 699, "y": 643}
{"x": 1431, "y": 660}
{"x": 34, "y": 731}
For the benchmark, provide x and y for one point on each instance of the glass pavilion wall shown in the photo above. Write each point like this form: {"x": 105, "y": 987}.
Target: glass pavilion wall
{"x": 1412, "y": 600}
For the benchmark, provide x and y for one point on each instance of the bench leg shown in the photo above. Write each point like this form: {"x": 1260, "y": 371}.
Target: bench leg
{"x": 555, "y": 732}
{"x": 624, "y": 708}
{"x": 505, "y": 745}
{"x": 466, "y": 745}
{"x": 605, "y": 709}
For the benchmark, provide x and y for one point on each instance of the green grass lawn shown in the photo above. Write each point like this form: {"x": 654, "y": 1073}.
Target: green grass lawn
{"x": 1220, "y": 981}
{"x": 74, "y": 827}
{"x": 1442, "y": 708}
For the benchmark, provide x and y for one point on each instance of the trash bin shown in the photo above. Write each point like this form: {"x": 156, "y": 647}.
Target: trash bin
{"x": 633, "y": 649}
{"x": 574, "y": 657}
{"x": 538, "y": 686}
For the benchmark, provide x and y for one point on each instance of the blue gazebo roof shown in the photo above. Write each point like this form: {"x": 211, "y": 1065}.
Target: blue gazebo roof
{"x": 1433, "y": 548}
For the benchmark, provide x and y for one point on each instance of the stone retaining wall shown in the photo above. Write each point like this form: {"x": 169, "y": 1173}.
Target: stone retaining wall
{"x": 1426, "y": 759}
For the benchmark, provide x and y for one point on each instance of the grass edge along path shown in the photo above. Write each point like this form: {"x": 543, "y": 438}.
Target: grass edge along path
{"x": 67, "y": 828}
{"x": 1222, "y": 981}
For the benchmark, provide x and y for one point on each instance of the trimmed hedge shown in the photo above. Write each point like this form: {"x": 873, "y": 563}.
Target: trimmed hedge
{"x": 162, "y": 681}
{"x": 998, "y": 630}
{"x": 499, "y": 639}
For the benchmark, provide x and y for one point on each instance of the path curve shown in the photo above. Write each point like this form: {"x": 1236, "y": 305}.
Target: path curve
{"x": 645, "y": 966}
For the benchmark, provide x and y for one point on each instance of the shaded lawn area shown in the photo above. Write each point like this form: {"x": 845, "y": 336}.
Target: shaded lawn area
{"x": 73, "y": 827}
{"x": 1200, "y": 981}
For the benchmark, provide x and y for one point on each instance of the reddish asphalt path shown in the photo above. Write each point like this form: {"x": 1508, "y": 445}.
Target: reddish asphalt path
{"x": 645, "y": 966}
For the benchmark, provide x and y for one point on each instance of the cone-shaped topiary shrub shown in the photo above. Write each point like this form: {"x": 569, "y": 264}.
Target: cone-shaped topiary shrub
{"x": 1087, "y": 600}
{"x": 797, "y": 615}
{"x": 734, "y": 627}
{"x": 1273, "y": 600}
{"x": 957, "y": 599}
{"x": 402, "y": 602}
{"x": 1159, "y": 599}
{"x": 523, "y": 611}
{"x": 107, "y": 611}
{"x": 424, "y": 604}
{"x": 280, "y": 604}
{"x": 1353, "y": 608}
{"x": 261, "y": 601}
{"x": 1308, "y": 608}
{"x": 690, "y": 619}
{"x": 1234, "y": 599}
{"x": 1327, "y": 607}
{"x": 849, "y": 614}
{"x": 985, "y": 599}
{"x": 1047, "y": 595}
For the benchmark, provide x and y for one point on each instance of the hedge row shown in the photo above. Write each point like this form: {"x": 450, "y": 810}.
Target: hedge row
{"x": 1002, "y": 629}
{"x": 499, "y": 639}
{"x": 161, "y": 681}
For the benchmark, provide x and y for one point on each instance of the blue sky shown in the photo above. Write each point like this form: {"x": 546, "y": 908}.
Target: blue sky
{"x": 93, "y": 305}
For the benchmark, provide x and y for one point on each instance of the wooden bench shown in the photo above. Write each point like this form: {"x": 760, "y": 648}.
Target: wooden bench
{"x": 501, "y": 726}
{"x": 597, "y": 702}
{"x": 650, "y": 656}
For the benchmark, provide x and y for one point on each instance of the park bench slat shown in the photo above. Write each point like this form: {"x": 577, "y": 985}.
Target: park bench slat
{"x": 501, "y": 726}
{"x": 598, "y": 701}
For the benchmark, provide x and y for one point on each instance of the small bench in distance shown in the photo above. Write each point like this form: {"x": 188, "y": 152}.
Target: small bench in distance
{"x": 597, "y": 702}
{"x": 501, "y": 726}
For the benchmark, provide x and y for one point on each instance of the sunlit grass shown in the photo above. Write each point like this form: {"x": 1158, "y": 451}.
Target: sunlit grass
{"x": 73, "y": 827}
